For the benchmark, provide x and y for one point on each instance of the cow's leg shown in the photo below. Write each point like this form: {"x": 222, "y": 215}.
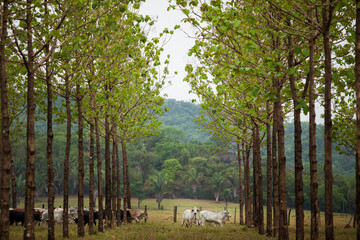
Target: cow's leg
{"x": 219, "y": 222}
{"x": 182, "y": 223}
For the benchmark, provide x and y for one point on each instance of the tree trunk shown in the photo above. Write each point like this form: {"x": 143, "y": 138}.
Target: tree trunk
{"x": 81, "y": 232}
{"x": 255, "y": 182}
{"x": 299, "y": 194}
{"x": 100, "y": 186}
{"x": 50, "y": 136}
{"x": 240, "y": 185}
{"x": 128, "y": 194}
{"x": 13, "y": 181}
{"x": 113, "y": 185}
{"x": 107, "y": 174}
{"x": 66, "y": 159}
{"x": 275, "y": 171}
{"x": 91, "y": 167}
{"x": 248, "y": 215}
{"x": 268, "y": 175}
{"x": 283, "y": 228}
{"x": 315, "y": 211}
{"x": 30, "y": 163}
{"x": 329, "y": 225}
{"x": 123, "y": 148}
{"x": 357, "y": 85}
{"x": 5, "y": 156}
{"x": 118, "y": 196}
{"x": 260, "y": 207}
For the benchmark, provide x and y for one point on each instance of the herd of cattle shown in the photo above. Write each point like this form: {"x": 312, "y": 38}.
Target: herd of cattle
{"x": 194, "y": 215}
{"x": 190, "y": 217}
{"x": 17, "y": 215}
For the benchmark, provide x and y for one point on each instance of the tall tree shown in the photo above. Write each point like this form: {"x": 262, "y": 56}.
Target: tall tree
{"x": 327, "y": 11}
{"x": 5, "y": 130}
{"x": 79, "y": 97}
{"x": 357, "y": 85}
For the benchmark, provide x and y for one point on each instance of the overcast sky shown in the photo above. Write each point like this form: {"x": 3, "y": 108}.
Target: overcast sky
{"x": 177, "y": 47}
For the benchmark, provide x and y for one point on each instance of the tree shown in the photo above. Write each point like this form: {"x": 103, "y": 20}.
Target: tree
{"x": 159, "y": 185}
{"x": 357, "y": 84}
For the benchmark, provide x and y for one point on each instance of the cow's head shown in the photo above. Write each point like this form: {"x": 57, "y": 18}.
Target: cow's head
{"x": 73, "y": 213}
{"x": 194, "y": 211}
{"x": 227, "y": 214}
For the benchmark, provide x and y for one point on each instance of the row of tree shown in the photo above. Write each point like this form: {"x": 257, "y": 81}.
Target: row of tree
{"x": 260, "y": 60}
{"x": 95, "y": 57}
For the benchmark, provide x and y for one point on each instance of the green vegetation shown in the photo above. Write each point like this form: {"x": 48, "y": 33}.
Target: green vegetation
{"x": 194, "y": 169}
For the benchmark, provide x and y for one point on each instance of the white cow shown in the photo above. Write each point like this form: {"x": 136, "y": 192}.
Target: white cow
{"x": 58, "y": 215}
{"x": 189, "y": 216}
{"x": 216, "y": 217}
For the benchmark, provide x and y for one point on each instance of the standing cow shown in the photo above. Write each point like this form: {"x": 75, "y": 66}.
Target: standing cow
{"x": 216, "y": 217}
{"x": 58, "y": 215}
{"x": 137, "y": 215}
{"x": 189, "y": 216}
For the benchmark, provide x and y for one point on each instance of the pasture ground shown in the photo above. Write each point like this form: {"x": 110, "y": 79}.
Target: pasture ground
{"x": 161, "y": 224}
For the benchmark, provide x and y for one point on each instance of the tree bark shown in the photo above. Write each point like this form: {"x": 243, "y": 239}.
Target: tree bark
{"x": 66, "y": 159}
{"x": 123, "y": 148}
{"x": 100, "y": 185}
{"x": 315, "y": 211}
{"x": 255, "y": 182}
{"x": 299, "y": 194}
{"x": 113, "y": 185}
{"x": 5, "y": 132}
{"x": 241, "y": 203}
{"x": 91, "y": 166}
{"x": 357, "y": 86}
{"x": 260, "y": 207}
{"x": 329, "y": 225}
{"x": 81, "y": 232}
{"x": 274, "y": 147}
{"x": 107, "y": 174}
{"x": 248, "y": 215}
{"x": 50, "y": 136}
{"x": 268, "y": 176}
{"x": 13, "y": 181}
{"x": 30, "y": 163}
{"x": 283, "y": 228}
{"x": 118, "y": 196}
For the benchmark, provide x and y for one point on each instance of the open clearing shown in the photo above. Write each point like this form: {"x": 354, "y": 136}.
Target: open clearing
{"x": 161, "y": 224}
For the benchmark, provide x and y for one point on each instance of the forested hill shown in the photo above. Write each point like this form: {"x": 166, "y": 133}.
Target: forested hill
{"x": 181, "y": 115}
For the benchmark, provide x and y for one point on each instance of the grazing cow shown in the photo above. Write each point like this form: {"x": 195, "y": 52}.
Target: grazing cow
{"x": 137, "y": 215}
{"x": 16, "y": 217}
{"x": 216, "y": 217}
{"x": 58, "y": 215}
{"x": 189, "y": 216}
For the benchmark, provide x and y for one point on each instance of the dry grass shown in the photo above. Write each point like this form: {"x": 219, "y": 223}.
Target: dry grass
{"x": 161, "y": 226}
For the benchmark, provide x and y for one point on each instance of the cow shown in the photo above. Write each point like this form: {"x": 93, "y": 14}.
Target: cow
{"x": 189, "y": 216}
{"x": 58, "y": 215}
{"x": 16, "y": 217}
{"x": 137, "y": 215}
{"x": 216, "y": 217}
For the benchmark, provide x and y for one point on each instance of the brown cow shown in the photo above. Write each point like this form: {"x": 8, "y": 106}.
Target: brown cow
{"x": 137, "y": 215}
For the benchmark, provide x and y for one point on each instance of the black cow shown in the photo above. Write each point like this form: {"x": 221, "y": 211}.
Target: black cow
{"x": 16, "y": 217}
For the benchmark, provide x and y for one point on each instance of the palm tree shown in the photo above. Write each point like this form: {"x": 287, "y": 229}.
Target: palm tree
{"x": 216, "y": 183}
{"x": 159, "y": 184}
{"x": 194, "y": 178}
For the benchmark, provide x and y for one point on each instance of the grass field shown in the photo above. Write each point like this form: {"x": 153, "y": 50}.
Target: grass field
{"x": 161, "y": 224}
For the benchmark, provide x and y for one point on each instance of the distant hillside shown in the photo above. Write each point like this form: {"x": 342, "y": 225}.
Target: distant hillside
{"x": 181, "y": 115}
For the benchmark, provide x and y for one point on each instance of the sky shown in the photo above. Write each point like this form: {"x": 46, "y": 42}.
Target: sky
{"x": 178, "y": 47}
